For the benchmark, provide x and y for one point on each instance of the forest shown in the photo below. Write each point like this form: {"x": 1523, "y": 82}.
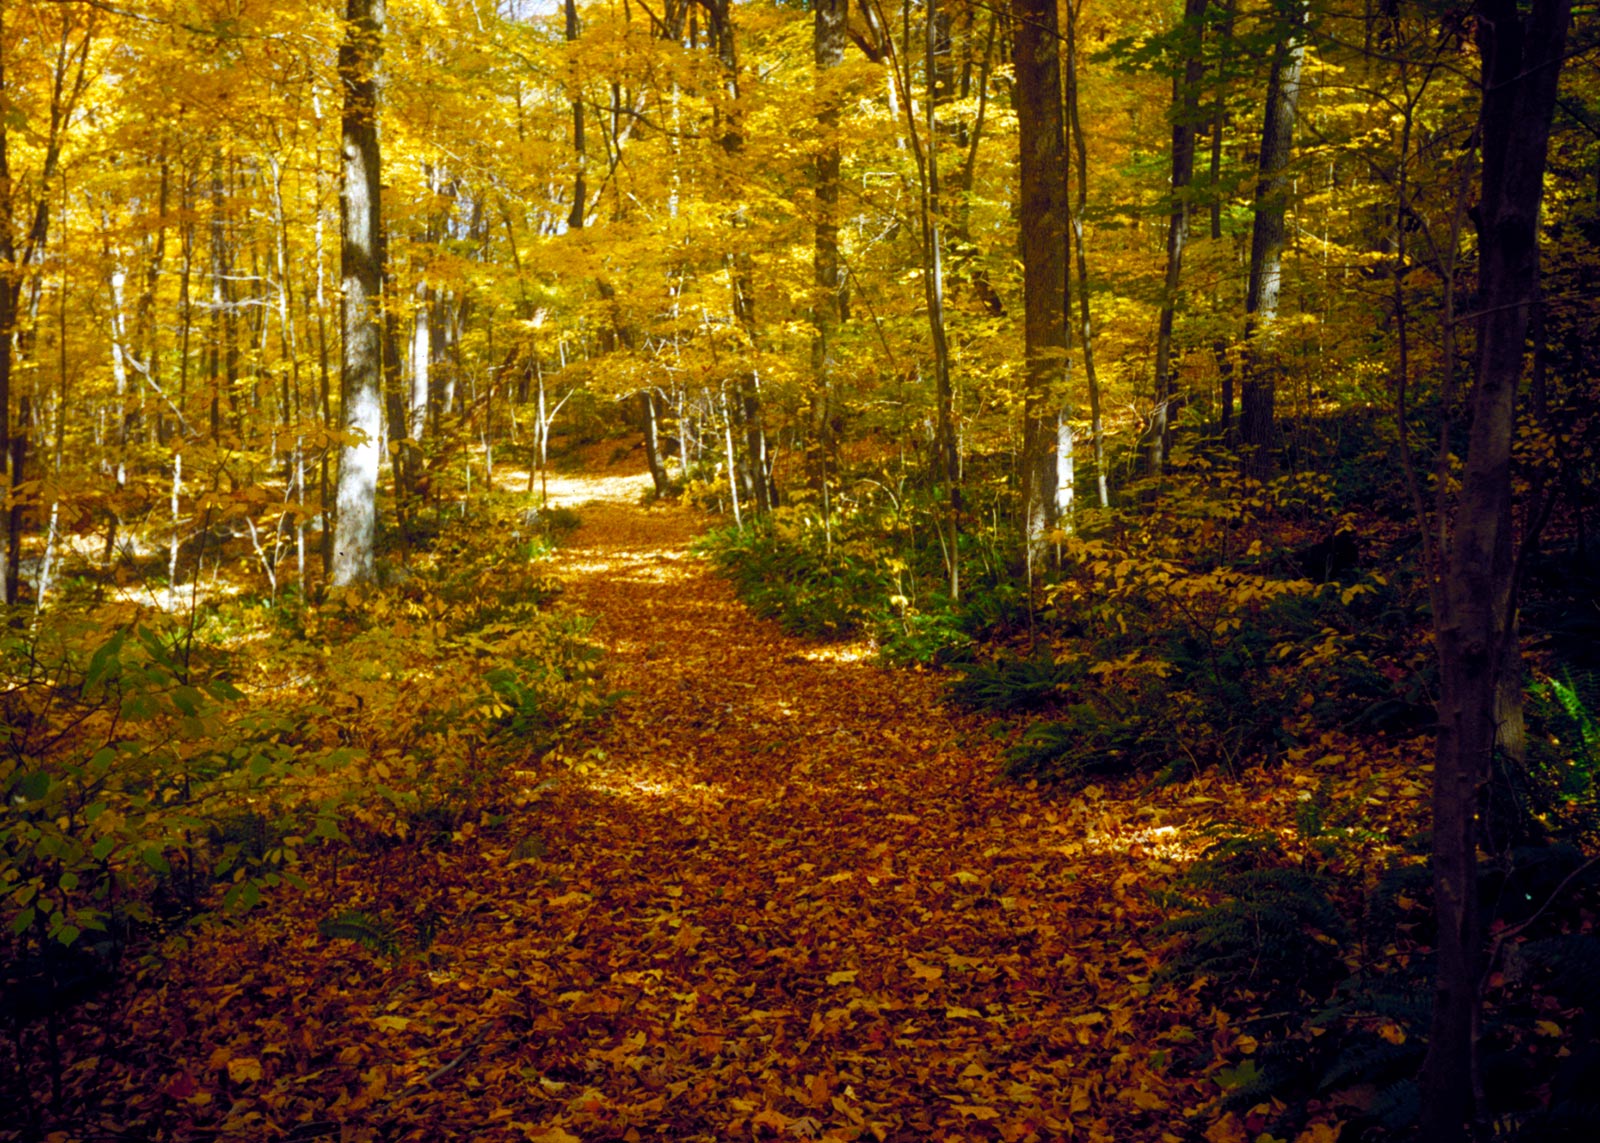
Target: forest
{"x": 589, "y": 570}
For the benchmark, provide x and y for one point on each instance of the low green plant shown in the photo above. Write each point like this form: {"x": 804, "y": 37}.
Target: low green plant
{"x": 378, "y": 934}
{"x": 789, "y": 572}
{"x": 1259, "y": 921}
{"x": 1564, "y": 755}
{"x": 1008, "y": 684}
{"x": 187, "y": 764}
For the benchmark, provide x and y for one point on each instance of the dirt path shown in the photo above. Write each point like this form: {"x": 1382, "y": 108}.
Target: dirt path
{"x": 786, "y": 898}
{"x": 793, "y": 901}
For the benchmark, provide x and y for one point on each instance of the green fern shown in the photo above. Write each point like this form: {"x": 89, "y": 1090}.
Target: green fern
{"x": 1569, "y": 965}
{"x": 1087, "y": 740}
{"x": 1270, "y": 926}
{"x": 1369, "y": 1059}
{"x": 1012, "y": 684}
{"x": 370, "y": 932}
{"x": 1397, "y": 1107}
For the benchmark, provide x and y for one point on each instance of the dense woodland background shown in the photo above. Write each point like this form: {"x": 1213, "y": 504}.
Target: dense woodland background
{"x": 1193, "y": 381}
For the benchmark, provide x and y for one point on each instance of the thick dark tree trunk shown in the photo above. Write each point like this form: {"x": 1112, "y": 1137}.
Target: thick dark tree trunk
{"x": 361, "y": 270}
{"x": 1266, "y": 242}
{"x": 1043, "y": 226}
{"x": 1475, "y": 617}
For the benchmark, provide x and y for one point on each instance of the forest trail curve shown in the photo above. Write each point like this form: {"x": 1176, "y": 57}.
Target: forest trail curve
{"x": 792, "y": 899}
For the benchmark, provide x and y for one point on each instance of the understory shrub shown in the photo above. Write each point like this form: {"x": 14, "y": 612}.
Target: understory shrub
{"x": 797, "y": 576}
{"x": 1564, "y": 750}
{"x": 1170, "y": 671}
{"x": 875, "y": 564}
{"x": 1333, "y": 977}
{"x": 188, "y": 763}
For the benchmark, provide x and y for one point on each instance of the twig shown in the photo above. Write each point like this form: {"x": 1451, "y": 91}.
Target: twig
{"x": 440, "y": 1073}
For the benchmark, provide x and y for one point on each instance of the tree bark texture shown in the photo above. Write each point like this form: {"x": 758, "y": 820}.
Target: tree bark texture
{"x": 580, "y": 186}
{"x": 70, "y": 72}
{"x": 650, "y": 421}
{"x": 1521, "y": 54}
{"x": 1185, "y": 112}
{"x": 361, "y": 273}
{"x": 1266, "y": 241}
{"x": 421, "y": 360}
{"x": 948, "y": 465}
{"x": 1043, "y": 226}
{"x": 829, "y": 31}
{"x": 10, "y": 286}
{"x": 1079, "y": 147}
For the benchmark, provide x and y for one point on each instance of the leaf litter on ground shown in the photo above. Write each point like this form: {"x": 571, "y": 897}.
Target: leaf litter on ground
{"x": 781, "y": 895}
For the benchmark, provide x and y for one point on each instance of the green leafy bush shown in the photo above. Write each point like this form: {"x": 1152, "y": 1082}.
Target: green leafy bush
{"x": 1176, "y": 669}
{"x": 122, "y": 774}
{"x": 1008, "y": 684}
{"x": 789, "y": 572}
{"x": 186, "y": 763}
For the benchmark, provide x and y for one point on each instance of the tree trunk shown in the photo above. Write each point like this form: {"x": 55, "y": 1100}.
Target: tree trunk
{"x": 1080, "y": 150}
{"x": 828, "y": 50}
{"x": 965, "y": 264}
{"x": 421, "y": 360}
{"x": 69, "y": 76}
{"x": 10, "y": 472}
{"x": 1266, "y": 243}
{"x": 1185, "y": 111}
{"x": 948, "y": 464}
{"x": 649, "y": 417}
{"x": 759, "y": 479}
{"x": 1219, "y": 123}
{"x": 1043, "y": 203}
{"x": 361, "y": 269}
{"x": 1521, "y": 60}
{"x": 580, "y": 187}
{"x": 763, "y": 496}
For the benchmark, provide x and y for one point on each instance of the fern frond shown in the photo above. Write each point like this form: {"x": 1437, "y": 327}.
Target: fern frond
{"x": 366, "y": 930}
{"x": 1370, "y": 1060}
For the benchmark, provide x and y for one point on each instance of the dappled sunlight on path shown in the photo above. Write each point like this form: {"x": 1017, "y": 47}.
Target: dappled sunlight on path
{"x": 787, "y": 897}
{"x": 779, "y": 893}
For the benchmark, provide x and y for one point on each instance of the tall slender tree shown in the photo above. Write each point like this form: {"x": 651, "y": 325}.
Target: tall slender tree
{"x": 828, "y": 40}
{"x": 580, "y": 146}
{"x": 1079, "y": 146}
{"x": 1044, "y": 237}
{"x": 1185, "y": 111}
{"x": 1521, "y": 51}
{"x": 1267, "y": 237}
{"x": 361, "y": 271}
{"x": 69, "y": 74}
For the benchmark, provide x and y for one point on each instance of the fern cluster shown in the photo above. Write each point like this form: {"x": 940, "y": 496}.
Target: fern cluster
{"x": 1006, "y": 685}
{"x": 1258, "y": 921}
